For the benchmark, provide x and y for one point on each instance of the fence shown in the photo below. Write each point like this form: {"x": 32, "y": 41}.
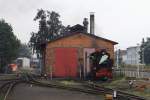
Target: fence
{"x": 132, "y": 72}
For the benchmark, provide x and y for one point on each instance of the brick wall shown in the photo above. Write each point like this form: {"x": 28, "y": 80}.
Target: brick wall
{"x": 79, "y": 41}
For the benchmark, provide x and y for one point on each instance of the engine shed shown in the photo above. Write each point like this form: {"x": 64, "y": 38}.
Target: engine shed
{"x": 68, "y": 56}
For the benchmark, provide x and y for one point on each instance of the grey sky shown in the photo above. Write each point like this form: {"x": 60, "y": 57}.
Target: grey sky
{"x": 124, "y": 21}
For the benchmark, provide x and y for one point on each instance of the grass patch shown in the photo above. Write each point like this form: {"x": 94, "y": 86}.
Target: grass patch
{"x": 5, "y": 77}
{"x": 68, "y": 82}
{"x": 1, "y": 98}
{"x": 144, "y": 94}
{"x": 123, "y": 85}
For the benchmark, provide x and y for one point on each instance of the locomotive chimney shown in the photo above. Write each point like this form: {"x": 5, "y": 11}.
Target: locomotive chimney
{"x": 92, "y": 23}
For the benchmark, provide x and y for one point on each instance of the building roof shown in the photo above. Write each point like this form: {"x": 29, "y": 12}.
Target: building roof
{"x": 88, "y": 34}
{"x": 133, "y": 47}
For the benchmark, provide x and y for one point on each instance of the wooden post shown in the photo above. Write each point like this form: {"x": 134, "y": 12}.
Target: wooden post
{"x": 51, "y": 72}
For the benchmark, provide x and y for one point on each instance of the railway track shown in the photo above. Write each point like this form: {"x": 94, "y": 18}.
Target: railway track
{"x": 86, "y": 87}
{"x": 120, "y": 94}
{"x": 6, "y": 88}
{"x": 56, "y": 85}
{"x": 7, "y": 85}
{"x": 90, "y": 87}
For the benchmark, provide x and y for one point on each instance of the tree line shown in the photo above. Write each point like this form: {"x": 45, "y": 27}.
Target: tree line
{"x": 145, "y": 52}
{"x": 50, "y": 27}
{"x": 10, "y": 46}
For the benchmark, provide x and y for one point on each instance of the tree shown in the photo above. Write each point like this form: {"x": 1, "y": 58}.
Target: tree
{"x": 54, "y": 25}
{"x": 50, "y": 27}
{"x": 141, "y": 52}
{"x": 24, "y": 51}
{"x": 9, "y": 44}
{"x": 145, "y": 52}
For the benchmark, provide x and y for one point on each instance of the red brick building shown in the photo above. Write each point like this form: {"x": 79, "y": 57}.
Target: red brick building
{"x": 67, "y": 54}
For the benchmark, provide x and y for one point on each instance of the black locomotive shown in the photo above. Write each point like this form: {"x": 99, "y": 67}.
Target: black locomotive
{"x": 101, "y": 65}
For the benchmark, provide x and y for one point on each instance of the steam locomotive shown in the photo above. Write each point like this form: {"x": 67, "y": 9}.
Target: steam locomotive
{"x": 101, "y": 65}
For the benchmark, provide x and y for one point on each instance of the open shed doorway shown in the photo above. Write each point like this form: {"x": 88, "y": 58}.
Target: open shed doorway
{"x": 87, "y": 67}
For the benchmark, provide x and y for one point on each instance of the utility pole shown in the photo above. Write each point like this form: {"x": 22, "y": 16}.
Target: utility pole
{"x": 143, "y": 56}
{"x": 142, "y": 52}
{"x": 138, "y": 67}
{"x": 117, "y": 58}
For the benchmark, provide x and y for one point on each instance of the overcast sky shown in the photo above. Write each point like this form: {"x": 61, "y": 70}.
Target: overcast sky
{"x": 124, "y": 21}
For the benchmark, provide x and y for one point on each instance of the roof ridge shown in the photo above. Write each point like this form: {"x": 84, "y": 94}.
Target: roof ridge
{"x": 75, "y": 33}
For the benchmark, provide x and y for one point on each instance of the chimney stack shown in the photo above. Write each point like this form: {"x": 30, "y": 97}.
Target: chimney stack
{"x": 92, "y": 24}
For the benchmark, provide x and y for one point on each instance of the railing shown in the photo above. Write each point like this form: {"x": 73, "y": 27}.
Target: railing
{"x": 132, "y": 72}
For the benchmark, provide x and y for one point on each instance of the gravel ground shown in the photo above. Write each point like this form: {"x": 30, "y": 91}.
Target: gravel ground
{"x": 28, "y": 92}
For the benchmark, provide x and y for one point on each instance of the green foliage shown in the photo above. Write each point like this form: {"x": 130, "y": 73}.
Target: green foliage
{"x": 9, "y": 44}
{"x": 24, "y": 51}
{"x": 50, "y": 27}
{"x": 145, "y": 52}
{"x": 141, "y": 52}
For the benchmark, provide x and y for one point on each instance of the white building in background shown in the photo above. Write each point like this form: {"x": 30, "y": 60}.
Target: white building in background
{"x": 124, "y": 58}
{"x": 133, "y": 56}
{"x": 23, "y": 62}
{"x": 129, "y": 56}
{"x": 120, "y": 57}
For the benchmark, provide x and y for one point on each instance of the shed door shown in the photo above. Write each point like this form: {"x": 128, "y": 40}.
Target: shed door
{"x": 65, "y": 62}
